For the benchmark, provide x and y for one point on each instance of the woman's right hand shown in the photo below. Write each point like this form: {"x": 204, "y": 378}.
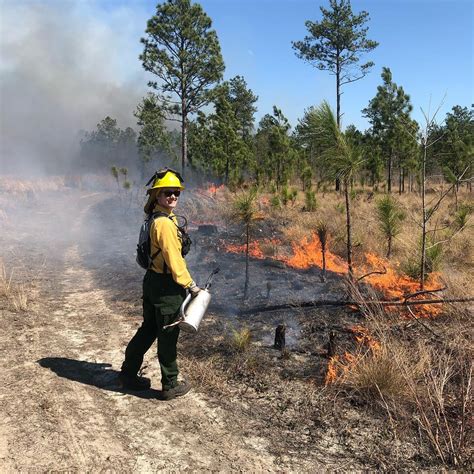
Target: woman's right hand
{"x": 194, "y": 291}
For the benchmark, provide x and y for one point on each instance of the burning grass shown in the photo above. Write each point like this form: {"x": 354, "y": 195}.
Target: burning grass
{"x": 385, "y": 276}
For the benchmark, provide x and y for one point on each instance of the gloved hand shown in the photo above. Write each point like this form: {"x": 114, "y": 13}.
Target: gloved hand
{"x": 194, "y": 290}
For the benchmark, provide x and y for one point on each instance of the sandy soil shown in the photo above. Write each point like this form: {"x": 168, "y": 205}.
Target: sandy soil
{"x": 61, "y": 406}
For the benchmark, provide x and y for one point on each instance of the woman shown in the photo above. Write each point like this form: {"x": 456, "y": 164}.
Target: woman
{"x": 164, "y": 289}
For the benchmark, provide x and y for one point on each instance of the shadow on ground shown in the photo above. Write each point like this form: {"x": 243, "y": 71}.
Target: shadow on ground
{"x": 97, "y": 374}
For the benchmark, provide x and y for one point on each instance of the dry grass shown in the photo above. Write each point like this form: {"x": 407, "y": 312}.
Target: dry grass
{"x": 443, "y": 404}
{"x": 5, "y": 281}
{"x": 270, "y": 248}
{"x": 14, "y": 294}
{"x": 206, "y": 374}
{"x": 29, "y": 187}
{"x": 382, "y": 373}
{"x": 19, "y": 298}
{"x": 421, "y": 381}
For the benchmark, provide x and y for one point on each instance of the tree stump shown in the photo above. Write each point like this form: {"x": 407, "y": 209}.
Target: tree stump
{"x": 280, "y": 337}
{"x": 332, "y": 344}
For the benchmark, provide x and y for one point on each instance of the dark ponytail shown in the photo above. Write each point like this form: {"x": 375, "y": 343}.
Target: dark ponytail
{"x": 150, "y": 204}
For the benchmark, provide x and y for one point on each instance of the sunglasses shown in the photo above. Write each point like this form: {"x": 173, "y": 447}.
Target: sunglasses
{"x": 170, "y": 193}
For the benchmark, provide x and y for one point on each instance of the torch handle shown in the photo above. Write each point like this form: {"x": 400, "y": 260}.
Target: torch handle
{"x": 184, "y": 304}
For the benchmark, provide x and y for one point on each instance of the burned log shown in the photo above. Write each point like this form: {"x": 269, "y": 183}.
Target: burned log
{"x": 280, "y": 341}
{"x": 339, "y": 303}
{"x": 207, "y": 229}
{"x": 424, "y": 292}
{"x": 331, "y": 345}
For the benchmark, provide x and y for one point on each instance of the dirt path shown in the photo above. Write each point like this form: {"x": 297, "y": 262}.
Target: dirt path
{"x": 61, "y": 407}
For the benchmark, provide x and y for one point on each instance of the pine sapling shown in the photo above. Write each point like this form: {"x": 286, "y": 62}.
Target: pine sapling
{"x": 390, "y": 218}
{"x": 323, "y": 232}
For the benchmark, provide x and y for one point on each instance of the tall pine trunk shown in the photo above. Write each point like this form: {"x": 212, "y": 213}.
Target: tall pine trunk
{"x": 423, "y": 204}
{"x": 400, "y": 181}
{"x": 389, "y": 178}
{"x": 323, "y": 252}
{"x": 349, "y": 227}
{"x": 338, "y": 106}
{"x": 389, "y": 246}
{"x": 246, "y": 285}
{"x": 184, "y": 137}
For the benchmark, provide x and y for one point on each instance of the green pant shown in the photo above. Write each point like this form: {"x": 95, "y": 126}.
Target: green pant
{"x": 162, "y": 298}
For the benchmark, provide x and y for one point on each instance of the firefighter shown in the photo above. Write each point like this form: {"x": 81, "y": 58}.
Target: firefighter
{"x": 164, "y": 289}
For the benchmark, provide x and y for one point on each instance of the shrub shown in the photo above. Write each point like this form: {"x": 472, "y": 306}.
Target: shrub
{"x": 285, "y": 195}
{"x": 275, "y": 202}
{"x": 462, "y": 216}
{"x": 340, "y": 207}
{"x": 306, "y": 177}
{"x": 310, "y": 201}
{"x": 433, "y": 260}
{"x": 241, "y": 339}
{"x": 390, "y": 218}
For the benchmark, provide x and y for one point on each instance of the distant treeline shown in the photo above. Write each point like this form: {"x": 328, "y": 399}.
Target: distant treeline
{"x": 225, "y": 145}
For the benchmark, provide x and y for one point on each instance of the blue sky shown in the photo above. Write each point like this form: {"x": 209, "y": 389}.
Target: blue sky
{"x": 428, "y": 45}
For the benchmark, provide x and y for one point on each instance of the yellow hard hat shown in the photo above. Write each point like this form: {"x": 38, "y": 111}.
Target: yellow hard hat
{"x": 167, "y": 178}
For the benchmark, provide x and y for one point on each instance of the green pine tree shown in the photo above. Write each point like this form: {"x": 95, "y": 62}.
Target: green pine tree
{"x": 335, "y": 44}
{"x": 183, "y": 52}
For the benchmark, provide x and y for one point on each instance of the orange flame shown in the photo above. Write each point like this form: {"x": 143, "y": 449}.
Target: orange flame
{"x": 363, "y": 337}
{"x": 338, "y": 367}
{"x": 332, "y": 370}
{"x": 394, "y": 285}
{"x": 308, "y": 254}
{"x": 213, "y": 188}
{"x": 255, "y": 248}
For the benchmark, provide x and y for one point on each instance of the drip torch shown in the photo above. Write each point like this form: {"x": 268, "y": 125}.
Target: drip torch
{"x": 193, "y": 309}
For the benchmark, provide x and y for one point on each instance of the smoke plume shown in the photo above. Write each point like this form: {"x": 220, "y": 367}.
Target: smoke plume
{"x": 64, "y": 66}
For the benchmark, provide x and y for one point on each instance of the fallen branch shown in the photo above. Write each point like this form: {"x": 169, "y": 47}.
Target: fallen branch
{"x": 319, "y": 303}
{"x": 417, "y": 319}
{"x": 375, "y": 272}
{"x": 423, "y": 292}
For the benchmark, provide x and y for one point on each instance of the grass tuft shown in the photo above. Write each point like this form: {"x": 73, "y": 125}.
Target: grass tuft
{"x": 241, "y": 339}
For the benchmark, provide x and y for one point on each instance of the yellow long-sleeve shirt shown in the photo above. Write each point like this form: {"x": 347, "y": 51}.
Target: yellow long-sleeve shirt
{"x": 165, "y": 236}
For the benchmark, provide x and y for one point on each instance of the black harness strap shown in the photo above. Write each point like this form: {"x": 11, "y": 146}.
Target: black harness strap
{"x": 154, "y": 216}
